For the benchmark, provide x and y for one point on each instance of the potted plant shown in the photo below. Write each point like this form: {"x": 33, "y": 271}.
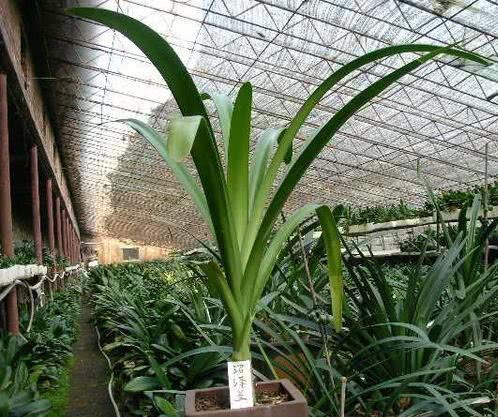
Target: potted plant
{"x": 239, "y": 199}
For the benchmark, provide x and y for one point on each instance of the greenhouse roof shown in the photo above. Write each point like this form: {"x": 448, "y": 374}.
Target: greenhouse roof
{"x": 440, "y": 118}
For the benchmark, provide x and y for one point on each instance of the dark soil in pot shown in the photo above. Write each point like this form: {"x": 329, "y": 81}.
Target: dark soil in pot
{"x": 223, "y": 403}
{"x": 273, "y": 399}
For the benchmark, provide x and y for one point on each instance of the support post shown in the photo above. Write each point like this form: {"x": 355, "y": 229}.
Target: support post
{"x": 50, "y": 217}
{"x": 58, "y": 226}
{"x": 64, "y": 234}
{"x": 6, "y": 233}
{"x": 58, "y": 229}
{"x": 71, "y": 242}
{"x": 68, "y": 243}
{"x": 68, "y": 238}
{"x": 75, "y": 246}
{"x": 486, "y": 202}
{"x": 64, "y": 238}
{"x": 50, "y": 227}
{"x": 35, "y": 205}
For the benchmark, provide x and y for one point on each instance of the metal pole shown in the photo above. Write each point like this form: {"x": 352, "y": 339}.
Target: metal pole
{"x": 67, "y": 236}
{"x": 58, "y": 225}
{"x": 58, "y": 229}
{"x": 50, "y": 217}
{"x": 68, "y": 243}
{"x": 71, "y": 231}
{"x": 35, "y": 205}
{"x": 485, "y": 211}
{"x": 64, "y": 234}
{"x": 64, "y": 237}
{"x": 74, "y": 246}
{"x": 6, "y": 233}
{"x": 50, "y": 226}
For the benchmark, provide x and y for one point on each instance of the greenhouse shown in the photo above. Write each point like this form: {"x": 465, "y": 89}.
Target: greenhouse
{"x": 248, "y": 208}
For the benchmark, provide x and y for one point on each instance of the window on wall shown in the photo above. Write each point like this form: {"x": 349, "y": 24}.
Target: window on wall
{"x": 130, "y": 254}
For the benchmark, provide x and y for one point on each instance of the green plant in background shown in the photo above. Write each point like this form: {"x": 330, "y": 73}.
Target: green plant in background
{"x": 233, "y": 199}
{"x": 31, "y": 366}
{"x": 53, "y": 332}
{"x": 19, "y": 396}
{"x": 418, "y": 339}
{"x": 450, "y": 200}
{"x": 409, "y": 346}
{"x": 24, "y": 254}
{"x": 446, "y": 200}
{"x": 161, "y": 331}
{"x": 426, "y": 241}
{"x": 381, "y": 213}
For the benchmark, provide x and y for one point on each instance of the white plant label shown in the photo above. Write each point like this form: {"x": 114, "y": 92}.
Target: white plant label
{"x": 240, "y": 384}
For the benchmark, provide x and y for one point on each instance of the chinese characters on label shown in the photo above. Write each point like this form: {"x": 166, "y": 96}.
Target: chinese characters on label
{"x": 240, "y": 384}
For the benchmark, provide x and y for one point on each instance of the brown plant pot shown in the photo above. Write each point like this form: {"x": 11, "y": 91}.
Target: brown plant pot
{"x": 295, "y": 406}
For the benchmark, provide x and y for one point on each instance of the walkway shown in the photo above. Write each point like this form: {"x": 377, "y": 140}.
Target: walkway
{"x": 89, "y": 374}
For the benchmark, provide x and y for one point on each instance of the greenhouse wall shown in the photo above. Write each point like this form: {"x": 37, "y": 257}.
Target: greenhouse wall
{"x": 110, "y": 250}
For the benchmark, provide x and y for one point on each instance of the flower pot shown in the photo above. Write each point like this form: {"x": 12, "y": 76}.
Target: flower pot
{"x": 215, "y": 402}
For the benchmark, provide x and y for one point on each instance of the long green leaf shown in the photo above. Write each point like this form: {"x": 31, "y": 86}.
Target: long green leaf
{"x": 224, "y": 107}
{"x": 310, "y": 104}
{"x": 217, "y": 280}
{"x": 238, "y": 159}
{"x": 180, "y": 172}
{"x": 181, "y": 136}
{"x": 142, "y": 383}
{"x": 273, "y": 249}
{"x": 262, "y": 154}
{"x": 204, "y": 151}
{"x": 313, "y": 147}
{"x": 332, "y": 240}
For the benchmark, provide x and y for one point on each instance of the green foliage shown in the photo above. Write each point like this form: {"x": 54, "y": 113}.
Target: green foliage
{"x": 151, "y": 316}
{"x": 447, "y": 201}
{"x": 59, "y": 396}
{"x": 33, "y": 367}
{"x": 418, "y": 339}
{"x": 428, "y": 241}
{"x": 24, "y": 254}
{"x": 19, "y": 395}
{"x": 53, "y": 332}
{"x": 450, "y": 200}
{"x": 381, "y": 214}
{"x": 239, "y": 204}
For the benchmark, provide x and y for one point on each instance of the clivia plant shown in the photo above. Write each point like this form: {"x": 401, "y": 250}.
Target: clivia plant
{"x": 238, "y": 196}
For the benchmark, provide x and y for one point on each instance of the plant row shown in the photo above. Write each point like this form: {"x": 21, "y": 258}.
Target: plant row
{"x": 24, "y": 254}
{"x": 447, "y": 201}
{"x": 418, "y": 339}
{"x": 31, "y": 365}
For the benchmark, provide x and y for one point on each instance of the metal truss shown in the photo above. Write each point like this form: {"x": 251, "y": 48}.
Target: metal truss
{"x": 439, "y": 118}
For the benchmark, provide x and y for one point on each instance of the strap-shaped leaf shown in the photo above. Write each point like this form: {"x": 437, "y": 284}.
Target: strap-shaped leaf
{"x": 332, "y": 241}
{"x": 224, "y": 107}
{"x": 273, "y": 250}
{"x": 262, "y": 154}
{"x": 301, "y": 116}
{"x": 204, "y": 151}
{"x": 182, "y": 133}
{"x": 217, "y": 279}
{"x": 312, "y": 148}
{"x": 288, "y": 154}
{"x": 238, "y": 159}
{"x": 181, "y": 173}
